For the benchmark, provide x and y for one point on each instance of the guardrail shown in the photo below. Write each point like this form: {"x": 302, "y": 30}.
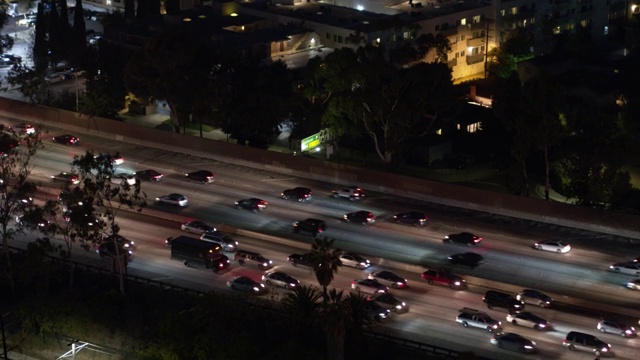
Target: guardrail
{"x": 409, "y": 344}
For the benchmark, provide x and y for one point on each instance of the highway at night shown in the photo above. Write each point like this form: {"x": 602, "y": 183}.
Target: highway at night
{"x": 578, "y": 280}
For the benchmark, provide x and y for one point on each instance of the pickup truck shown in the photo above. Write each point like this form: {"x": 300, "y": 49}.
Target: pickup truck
{"x": 474, "y": 318}
{"x": 298, "y": 259}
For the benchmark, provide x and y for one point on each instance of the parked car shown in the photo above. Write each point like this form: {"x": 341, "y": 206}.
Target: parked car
{"x": 528, "y": 319}
{"x": 201, "y": 176}
{"x": 354, "y": 260}
{"x": 246, "y": 284}
{"x": 466, "y": 238}
{"x": 360, "y": 217}
{"x": 468, "y": 259}
{"x": 280, "y": 279}
{"x": 414, "y": 218}
{"x": 69, "y": 178}
{"x": 368, "y": 286}
{"x": 312, "y": 226}
{"x": 389, "y": 279}
{"x": 253, "y": 204}
{"x": 534, "y": 297}
{"x": 630, "y": 268}
{"x": 515, "y": 342}
{"x": 196, "y": 227}
{"x": 556, "y": 246}
{"x": 388, "y": 301}
{"x": 66, "y": 139}
{"x": 443, "y": 277}
{"x": 616, "y": 327}
{"x": 299, "y": 194}
{"x": 149, "y": 175}
{"x": 173, "y": 199}
{"x": 352, "y": 193}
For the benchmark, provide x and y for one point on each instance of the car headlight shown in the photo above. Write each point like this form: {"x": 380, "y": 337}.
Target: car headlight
{"x": 605, "y": 349}
{"x": 495, "y": 326}
{"x": 399, "y": 306}
{"x": 529, "y": 347}
{"x": 629, "y": 331}
{"x": 457, "y": 283}
{"x": 345, "y": 217}
{"x": 542, "y": 325}
{"x": 292, "y": 284}
{"x": 256, "y": 289}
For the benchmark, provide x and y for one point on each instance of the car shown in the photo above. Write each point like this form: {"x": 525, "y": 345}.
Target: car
{"x": 361, "y": 217}
{"x": 109, "y": 249}
{"x": 388, "y": 301}
{"x": 375, "y": 310}
{"x": 369, "y": 286}
{"x": 121, "y": 240}
{"x": 74, "y": 73}
{"x": 280, "y": 279}
{"x": 615, "y": 327}
{"x": 301, "y": 259}
{"x": 312, "y": 226}
{"x": 466, "y": 238}
{"x": 114, "y": 159}
{"x": 354, "y": 260}
{"x": 586, "y": 342}
{"x": 123, "y": 178}
{"x": 468, "y": 259}
{"x": 531, "y": 320}
{"x": 196, "y": 227}
{"x": 149, "y": 175}
{"x": 389, "y": 279}
{"x": 10, "y": 59}
{"x": 8, "y": 143}
{"x": 66, "y": 139}
{"x": 633, "y": 284}
{"x": 253, "y": 204}
{"x": 201, "y": 176}
{"x": 515, "y": 342}
{"x": 173, "y": 199}
{"x": 300, "y": 194}
{"x": 244, "y": 257}
{"x": 503, "y": 300}
{"x": 630, "y": 268}
{"x": 443, "y": 277}
{"x": 69, "y": 178}
{"x": 24, "y": 128}
{"x": 352, "y": 193}
{"x": 246, "y": 284}
{"x": 534, "y": 297}
{"x": 55, "y": 78}
{"x": 80, "y": 216}
{"x": 556, "y": 246}
{"x": 414, "y": 218}
{"x": 35, "y": 221}
{"x": 227, "y": 243}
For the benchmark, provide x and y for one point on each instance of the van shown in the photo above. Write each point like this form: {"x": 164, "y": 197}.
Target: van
{"x": 224, "y": 240}
{"x": 503, "y": 300}
{"x": 586, "y": 342}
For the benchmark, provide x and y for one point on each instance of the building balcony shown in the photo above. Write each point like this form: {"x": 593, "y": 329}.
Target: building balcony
{"x": 474, "y": 59}
{"x": 476, "y": 42}
{"x": 451, "y": 31}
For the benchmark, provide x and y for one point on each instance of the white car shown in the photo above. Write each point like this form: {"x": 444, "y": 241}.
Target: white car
{"x": 630, "y": 268}
{"x": 122, "y": 178}
{"x": 369, "y": 286}
{"x": 280, "y": 279}
{"x": 556, "y": 246}
{"x": 24, "y": 128}
{"x": 351, "y": 193}
{"x": 354, "y": 260}
{"x": 528, "y": 319}
{"x": 173, "y": 199}
{"x": 197, "y": 227}
{"x": 633, "y": 284}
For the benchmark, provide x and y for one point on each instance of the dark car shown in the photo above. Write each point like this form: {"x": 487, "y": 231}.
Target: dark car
{"x": 69, "y": 178}
{"x": 360, "y": 217}
{"x": 443, "y": 277}
{"x": 121, "y": 240}
{"x": 515, "y": 342}
{"x": 253, "y": 204}
{"x": 311, "y": 226}
{"x": 149, "y": 175}
{"x": 503, "y": 300}
{"x": 300, "y": 259}
{"x": 66, "y": 139}
{"x": 34, "y": 221}
{"x": 463, "y": 238}
{"x": 468, "y": 259}
{"x": 201, "y": 176}
{"x": 390, "y": 302}
{"x": 300, "y": 194}
{"x": 108, "y": 249}
{"x": 414, "y": 218}
{"x": 389, "y": 278}
{"x": 376, "y": 311}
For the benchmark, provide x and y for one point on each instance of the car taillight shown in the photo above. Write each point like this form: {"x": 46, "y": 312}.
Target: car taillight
{"x": 477, "y": 240}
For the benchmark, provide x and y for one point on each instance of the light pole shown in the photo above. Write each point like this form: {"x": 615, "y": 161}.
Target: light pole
{"x": 75, "y": 74}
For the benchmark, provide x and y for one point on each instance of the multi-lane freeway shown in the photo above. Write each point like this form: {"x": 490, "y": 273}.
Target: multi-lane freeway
{"x": 578, "y": 280}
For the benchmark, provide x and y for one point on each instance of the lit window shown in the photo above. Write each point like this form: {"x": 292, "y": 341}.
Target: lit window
{"x": 463, "y": 21}
{"x": 606, "y": 30}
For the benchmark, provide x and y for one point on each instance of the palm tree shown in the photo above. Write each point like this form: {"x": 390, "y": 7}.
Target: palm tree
{"x": 326, "y": 261}
{"x": 335, "y": 317}
{"x": 303, "y": 304}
